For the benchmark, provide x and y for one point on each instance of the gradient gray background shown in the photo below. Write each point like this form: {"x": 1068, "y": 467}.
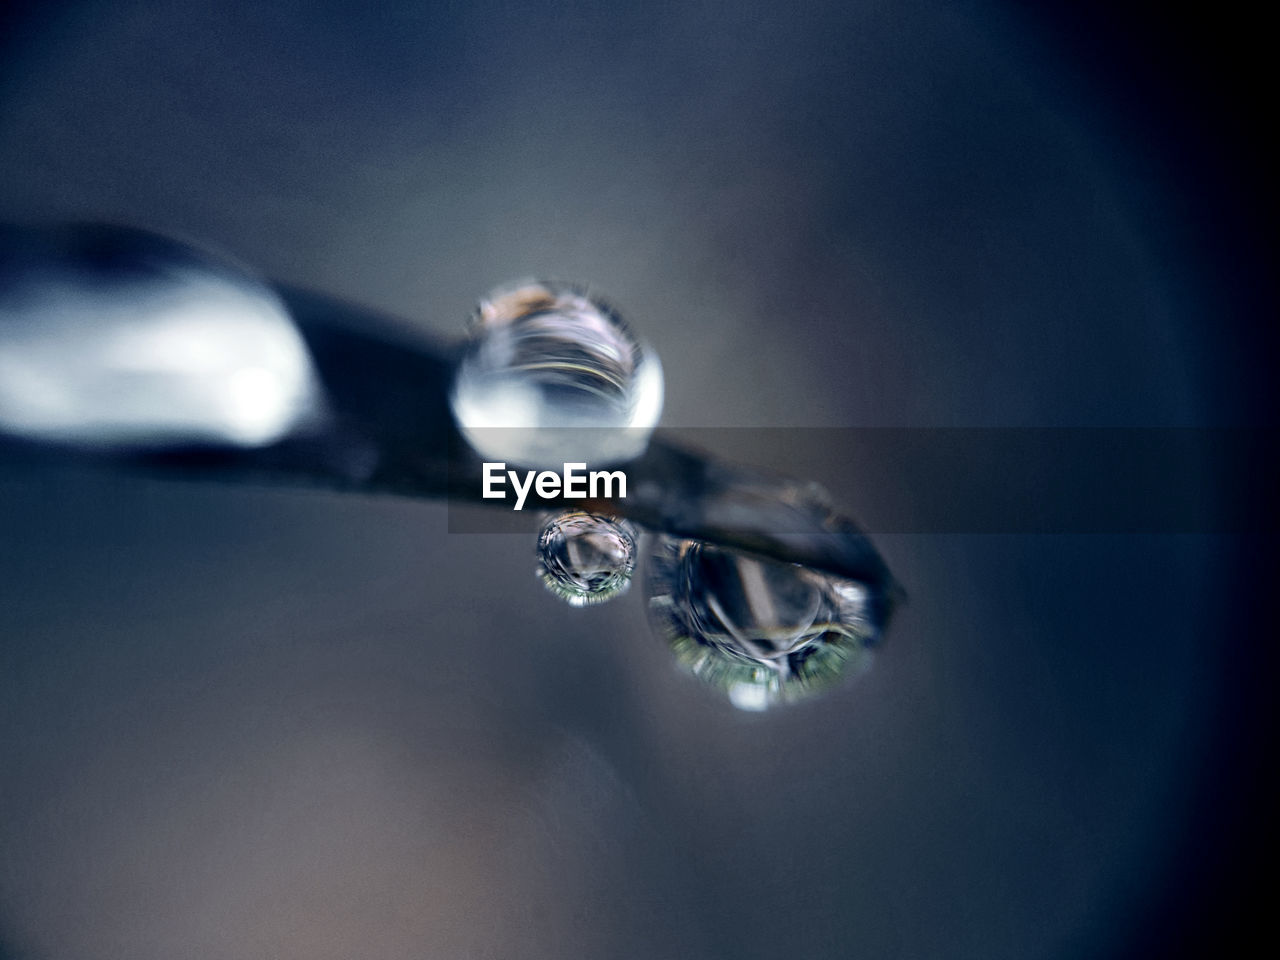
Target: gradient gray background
{"x": 268, "y": 724}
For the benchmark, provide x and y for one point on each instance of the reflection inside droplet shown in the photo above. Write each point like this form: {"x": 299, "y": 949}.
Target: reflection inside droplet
{"x": 584, "y": 558}
{"x": 554, "y": 375}
{"x": 760, "y": 630}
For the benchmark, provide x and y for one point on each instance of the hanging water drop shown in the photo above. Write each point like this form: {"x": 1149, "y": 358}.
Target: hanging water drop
{"x": 759, "y": 630}
{"x": 585, "y": 558}
{"x": 553, "y": 375}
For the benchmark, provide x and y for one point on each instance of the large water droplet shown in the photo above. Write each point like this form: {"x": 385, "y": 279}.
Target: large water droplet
{"x": 585, "y": 558}
{"x": 117, "y": 339}
{"x": 553, "y": 375}
{"x": 759, "y": 630}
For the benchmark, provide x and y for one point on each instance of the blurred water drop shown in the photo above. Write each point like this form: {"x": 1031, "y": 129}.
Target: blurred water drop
{"x": 759, "y": 630}
{"x": 553, "y": 375}
{"x": 584, "y": 558}
{"x": 114, "y": 338}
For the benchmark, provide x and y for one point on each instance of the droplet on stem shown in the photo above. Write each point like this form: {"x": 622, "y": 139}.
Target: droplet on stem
{"x": 585, "y": 558}
{"x": 759, "y": 630}
{"x": 553, "y": 375}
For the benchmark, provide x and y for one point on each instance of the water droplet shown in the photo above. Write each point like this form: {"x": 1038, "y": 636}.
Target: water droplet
{"x": 759, "y": 630}
{"x": 585, "y": 558}
{"x": 114, "y": 339}
{"x": 553, "y": 375}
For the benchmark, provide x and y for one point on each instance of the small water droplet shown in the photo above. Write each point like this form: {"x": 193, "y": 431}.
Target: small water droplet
{"x": 759, "y": 630}
{"x": 553, "y": 375}
{"x": 585, "y": 558}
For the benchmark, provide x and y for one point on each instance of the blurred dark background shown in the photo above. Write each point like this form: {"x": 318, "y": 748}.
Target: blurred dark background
{"x": 261, "y": 723}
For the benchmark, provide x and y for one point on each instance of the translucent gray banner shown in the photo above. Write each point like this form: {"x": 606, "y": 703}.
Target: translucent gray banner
{"x": 943, "y": 480}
